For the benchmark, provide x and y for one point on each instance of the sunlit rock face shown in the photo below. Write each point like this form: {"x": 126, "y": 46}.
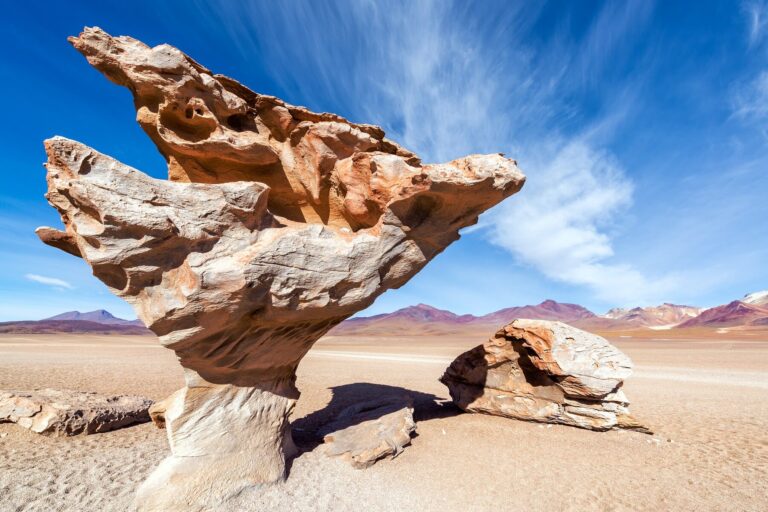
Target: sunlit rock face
{"x": 544, "y": 371}
{"x": 276, "y": 224}
{"x": 368, "y": 431}
{"x": 58, "y": 412}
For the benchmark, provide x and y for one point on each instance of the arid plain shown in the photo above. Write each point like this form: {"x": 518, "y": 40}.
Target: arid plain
{"x": 705, "y": 399}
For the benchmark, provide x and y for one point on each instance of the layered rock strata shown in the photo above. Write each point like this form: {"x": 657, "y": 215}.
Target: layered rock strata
{"x": 69, "y": 413}
{"x": 544, "y": 371}
{"x": 276, "y": 224}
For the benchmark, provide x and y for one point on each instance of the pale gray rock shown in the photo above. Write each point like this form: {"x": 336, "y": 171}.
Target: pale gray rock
{"x": 69, "y": 413}
{"x": 545, "y": 371}
{"x": 366, "y": 432}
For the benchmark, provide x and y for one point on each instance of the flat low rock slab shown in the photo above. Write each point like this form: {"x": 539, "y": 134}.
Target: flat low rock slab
{"x": 69, "y": 413}
{"x": 370, "y": 431}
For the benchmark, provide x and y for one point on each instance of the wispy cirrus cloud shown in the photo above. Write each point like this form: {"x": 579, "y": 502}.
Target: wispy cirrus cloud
{"x": 50, "y": 281}
{"x": 750, "y": 101}
{"x": 446, "y": 83}
{"x": 757, "y": 17}
{"x": 749, "y": 96}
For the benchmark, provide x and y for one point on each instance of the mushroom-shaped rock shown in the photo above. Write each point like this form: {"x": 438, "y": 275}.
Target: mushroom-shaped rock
{"x": 276, "y": 224}
{"x": 539, "y": 370}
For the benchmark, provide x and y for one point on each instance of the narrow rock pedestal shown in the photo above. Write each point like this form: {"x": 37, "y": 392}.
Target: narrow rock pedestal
{"x": 223, "y": 438}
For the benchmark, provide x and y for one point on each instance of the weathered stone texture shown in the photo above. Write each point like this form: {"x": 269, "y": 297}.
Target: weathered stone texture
{"x": 275, "y": 225}
{"x": 539, "y": 370}
{"x": 369, "y": 431}
{"x": 69, "y": 413}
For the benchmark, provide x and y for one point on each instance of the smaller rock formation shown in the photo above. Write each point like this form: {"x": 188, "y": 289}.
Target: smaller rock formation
{"x": 366, "y": 432}
{"x": 549, "y": 372}
{"x": 69, "y": 413}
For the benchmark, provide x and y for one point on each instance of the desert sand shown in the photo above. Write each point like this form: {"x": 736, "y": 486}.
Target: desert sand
{"x": 705, "y": 399}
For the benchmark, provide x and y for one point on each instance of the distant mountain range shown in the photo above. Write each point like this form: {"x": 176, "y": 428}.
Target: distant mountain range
{"x": 100, "y": 316}
{"x": 752, "y": 310}
{"x": 733, "y": 314}
{"x": 663, "y": 316}
{"x": 547, "y": 310}
{"x": 422, "y": 319}
{"x": 426, "y": 319}
{"x": 93, "y": 322}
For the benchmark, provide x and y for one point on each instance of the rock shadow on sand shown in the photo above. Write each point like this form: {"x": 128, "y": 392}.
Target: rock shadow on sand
{"x": 307, "y": 430}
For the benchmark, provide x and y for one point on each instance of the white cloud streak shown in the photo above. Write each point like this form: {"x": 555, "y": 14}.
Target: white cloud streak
{"x": 50, "y": 281}
{"x": 446, "y": 83}
{"x": 757, "y": 15}
{"x": 749, "y": 96}
{"x": 751, "y": 101}
{"x": 557, "y": 226}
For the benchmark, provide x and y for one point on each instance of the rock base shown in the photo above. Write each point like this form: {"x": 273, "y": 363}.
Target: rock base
{"x": 224, "y": 439}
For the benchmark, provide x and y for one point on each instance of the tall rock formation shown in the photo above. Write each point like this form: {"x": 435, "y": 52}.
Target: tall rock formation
{"x": 276, "y": 224}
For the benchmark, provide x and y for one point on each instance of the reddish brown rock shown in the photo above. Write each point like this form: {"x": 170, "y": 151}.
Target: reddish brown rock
{"x": 544, "y": 371}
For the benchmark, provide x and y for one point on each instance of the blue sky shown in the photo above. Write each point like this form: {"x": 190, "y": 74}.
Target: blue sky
{"x": 642, "y": 128}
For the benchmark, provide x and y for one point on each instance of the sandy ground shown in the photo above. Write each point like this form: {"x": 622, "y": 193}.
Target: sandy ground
{"x": 706, "y": 399}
